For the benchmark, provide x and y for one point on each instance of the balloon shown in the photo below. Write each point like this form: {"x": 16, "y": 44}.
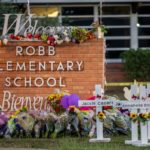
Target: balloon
{"x": 2, "y": 122}
{"x": 64, "y": 101}
{"x": 73, "y": 100}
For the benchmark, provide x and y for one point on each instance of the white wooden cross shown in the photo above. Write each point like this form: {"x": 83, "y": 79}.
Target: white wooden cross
{"x": 99, "y": 124}
{"x": 141, "y": 104}
{"x": 148, "y": 98}
{"x": 143, "y": 126}
{"x": 134, "y": 125}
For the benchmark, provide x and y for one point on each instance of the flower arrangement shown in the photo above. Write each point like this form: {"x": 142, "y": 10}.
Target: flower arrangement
{"x": 101, "y": 116}
{"x": 75, "y": 35}
{"x": 55, "y": 101}
{"x": 142, "y": 117}
{"x": 79, "y": 35}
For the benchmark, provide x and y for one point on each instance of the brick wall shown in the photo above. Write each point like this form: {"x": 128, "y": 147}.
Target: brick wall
{"x": 79, "y": 82}
{"x": 115, "y": 73}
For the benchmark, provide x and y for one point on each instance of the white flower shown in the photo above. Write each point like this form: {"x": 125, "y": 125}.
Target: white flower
{"x": 67, "y": 39}
{"x": 65, "y": 33}
{"x": 59, "y": 42}
{"x": 56, "y": 37}
{"x": 5, "y": 41}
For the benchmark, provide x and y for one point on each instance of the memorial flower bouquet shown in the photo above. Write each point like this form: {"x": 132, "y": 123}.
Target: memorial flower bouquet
{"x": 55, "y": 101}
{"x": 101, "y": 116}
{"x": 142, "y": 117}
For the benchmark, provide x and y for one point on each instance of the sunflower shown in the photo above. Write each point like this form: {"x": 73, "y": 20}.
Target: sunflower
{"x": 101, "y": 115}
{"x": 133, "y": 116}
{"x": 144, "y": 115}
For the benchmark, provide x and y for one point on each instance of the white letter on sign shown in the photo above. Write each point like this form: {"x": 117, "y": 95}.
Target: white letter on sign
{"x": 41, "y": 51}
{"x": 19, "y": 50}
{"x": 79, "y": 65}
{"x": 6, "y": 102}
{"x": 9, "y": 66}
{"x": 51, "y": 50}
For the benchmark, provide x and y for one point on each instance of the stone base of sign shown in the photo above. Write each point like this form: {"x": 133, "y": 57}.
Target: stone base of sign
{"x": 100, "y": 140}
{"x": 128, "y": 142}
{"x": 139, "y": 144}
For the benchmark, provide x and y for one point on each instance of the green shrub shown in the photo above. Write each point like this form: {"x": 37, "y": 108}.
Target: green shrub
{"x": 137, "y": 64}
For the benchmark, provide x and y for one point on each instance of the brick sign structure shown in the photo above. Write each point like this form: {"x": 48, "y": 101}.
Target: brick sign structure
{"x": 31, "y": 70}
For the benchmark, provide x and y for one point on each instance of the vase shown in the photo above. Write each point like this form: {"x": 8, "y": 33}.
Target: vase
{"x": 100, "y": 34}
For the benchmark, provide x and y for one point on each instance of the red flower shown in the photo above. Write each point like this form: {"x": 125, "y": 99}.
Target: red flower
{"x": 12, "y": 36}
{"x": 134, "y": 97}
{"x": 57, "y": 109}
{"x": 37, "y": 36}
{"x": 51, "y": 41}
{"x": 17, "y": 38}
{"x": 29, "y": 35}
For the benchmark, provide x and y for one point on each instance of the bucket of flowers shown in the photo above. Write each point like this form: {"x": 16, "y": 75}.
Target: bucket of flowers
{"x": 54, "y": 100}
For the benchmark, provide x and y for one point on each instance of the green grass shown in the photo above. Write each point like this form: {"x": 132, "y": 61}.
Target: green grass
{"x": 68, "y": 143}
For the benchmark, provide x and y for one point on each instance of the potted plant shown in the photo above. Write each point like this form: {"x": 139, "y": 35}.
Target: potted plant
{"x": 79, "y": 35}
{"x": 100, "y": 28}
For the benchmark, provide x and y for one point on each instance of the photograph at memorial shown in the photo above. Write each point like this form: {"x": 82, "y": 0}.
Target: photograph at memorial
{"x": 74, "y": 74}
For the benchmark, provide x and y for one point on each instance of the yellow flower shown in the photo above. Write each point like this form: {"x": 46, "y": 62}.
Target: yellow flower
{"x": 145, "y": 115}
{"x": 12, "y": 116}
{"x": 17, "y": 112}
{"x": 51, "y": 97}
{"x": 133, "y": 115}
{"x": 149, "y": 115}
{"x": 101, "y": 115}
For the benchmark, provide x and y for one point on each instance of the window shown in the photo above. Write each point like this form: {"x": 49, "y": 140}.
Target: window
{"x": 77, "y": 21}
{"x": 118, "y": 32}
{"x": 77, "y": 16}
{"x": 144, "y": 10}
{"x": 72, "y": 11}
{"x": 46, "y": 11}
{"x": 117, "y": 19}
{"x": 46, "y": 15}
{"x": 144, "y": 43}
{"x": 113, "y": 54}
{"x": 118, "y": 43}
{"x": 115, "y": 10}
{"x": 144, "y": 31}
{"x": 144, "y": 26}
{"x": 144, "y": 20}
